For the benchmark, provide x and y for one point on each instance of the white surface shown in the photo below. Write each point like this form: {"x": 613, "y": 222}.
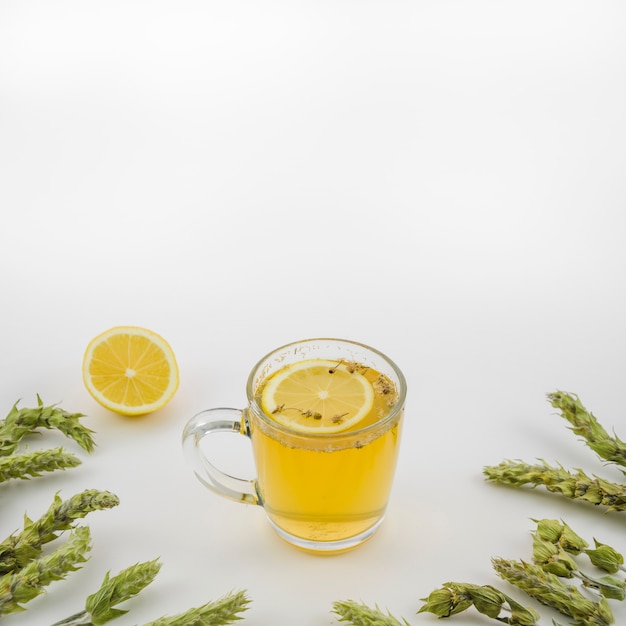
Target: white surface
{"x": 441, "y": 180}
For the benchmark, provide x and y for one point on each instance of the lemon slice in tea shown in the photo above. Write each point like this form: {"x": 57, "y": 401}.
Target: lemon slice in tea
{"x": 318, "y": 396}
{"x": 130, "y": 370}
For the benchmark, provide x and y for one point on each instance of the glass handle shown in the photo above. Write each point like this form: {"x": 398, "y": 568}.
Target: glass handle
{"x": 210, "y": 422}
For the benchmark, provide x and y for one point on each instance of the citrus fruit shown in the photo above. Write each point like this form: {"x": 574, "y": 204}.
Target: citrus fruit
{"x": 130, "y": 370}
{"x": 318, "y": 396}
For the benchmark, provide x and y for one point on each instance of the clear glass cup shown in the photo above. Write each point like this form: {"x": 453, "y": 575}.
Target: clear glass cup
{"x": 322, "y": 492}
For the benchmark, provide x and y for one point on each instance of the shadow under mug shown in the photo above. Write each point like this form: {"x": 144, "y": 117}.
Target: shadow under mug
{"x": 322, "y": 492}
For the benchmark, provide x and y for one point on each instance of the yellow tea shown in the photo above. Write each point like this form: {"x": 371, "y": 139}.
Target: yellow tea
{"x": 329, "y": 476}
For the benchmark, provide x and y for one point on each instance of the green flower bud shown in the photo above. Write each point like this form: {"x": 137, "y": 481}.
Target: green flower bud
{"x": 562, "y": 566}
{"x": 524, "y": 617}
{"x": 552, "y": 558}
{"x": 571, "y": 542}
{"x": 605, "y": 557}
{"x": 521, "y": 615}
{"x": 439, "y": 602}
{"x": 604, "y": 612}
{"x": 488, "y": 601}
{"x": 549, "y": 530}
{"x": 568, "y": 486}
{"x": 544, "y": 551}
{"x": 460, "y": 596}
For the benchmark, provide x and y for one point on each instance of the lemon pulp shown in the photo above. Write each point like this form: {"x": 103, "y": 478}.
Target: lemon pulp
{"x": 130, "y": 370}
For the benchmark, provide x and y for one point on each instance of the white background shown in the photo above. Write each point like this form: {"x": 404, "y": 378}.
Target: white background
{"x": 442, "y": 180}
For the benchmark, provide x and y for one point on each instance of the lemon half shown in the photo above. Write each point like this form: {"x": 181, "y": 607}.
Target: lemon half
{"x": 317, "y": 396}
{"x": 130, "y": 370}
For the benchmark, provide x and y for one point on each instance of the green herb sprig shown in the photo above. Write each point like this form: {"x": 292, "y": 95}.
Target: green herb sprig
{"x": 584, "y": 423}
{"x": 576, "y": 485}
{"x": 556, "y": 548}
{"x": 25, "y": 572}
{"x": 22, "y": 422}
{"x": 453, "y": 598}
{"x": 33, "y": 464}
{"x": 550, "y": 590}
{"x": 18, "y": 549}
{"x": 18, "y": 588}
{"x": 360, "y": 614}
{"x": 100, "y": 606}
{"x": 225, "y": 610}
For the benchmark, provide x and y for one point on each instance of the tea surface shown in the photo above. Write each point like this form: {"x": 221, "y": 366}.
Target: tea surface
{"x": 324, "y": 396}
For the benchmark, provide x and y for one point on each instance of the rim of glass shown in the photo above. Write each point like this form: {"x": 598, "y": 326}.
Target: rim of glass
{"x": 292, "y": 432}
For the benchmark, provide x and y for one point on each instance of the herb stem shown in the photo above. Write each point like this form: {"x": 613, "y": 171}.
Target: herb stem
{"x": 78, "y": 619}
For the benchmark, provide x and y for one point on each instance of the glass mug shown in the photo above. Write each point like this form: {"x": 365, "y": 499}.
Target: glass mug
{"x": 327, "y": 491}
